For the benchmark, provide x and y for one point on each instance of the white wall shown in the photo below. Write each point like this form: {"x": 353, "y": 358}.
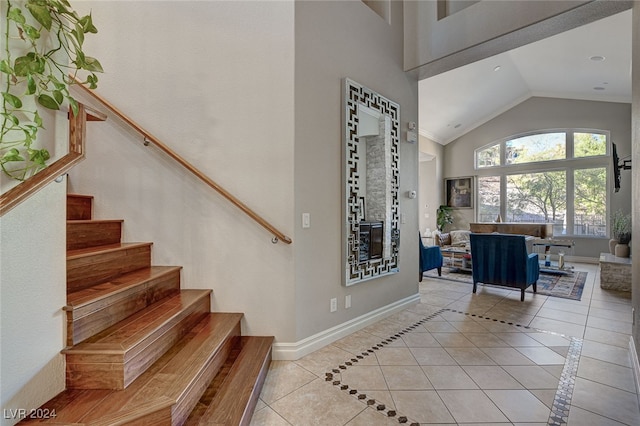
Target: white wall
{"x": 335, "y": 40}
{"x": 431, "y": 190}
{"x": 214, "y": 81}
{"x": 32, "y": 294}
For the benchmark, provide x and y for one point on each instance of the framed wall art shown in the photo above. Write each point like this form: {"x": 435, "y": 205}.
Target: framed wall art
{"x": 459, "y": 192}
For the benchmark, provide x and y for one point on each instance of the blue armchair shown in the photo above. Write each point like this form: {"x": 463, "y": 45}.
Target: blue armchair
{"x": 430, "y": 258}
{"x": 502, "y": 259}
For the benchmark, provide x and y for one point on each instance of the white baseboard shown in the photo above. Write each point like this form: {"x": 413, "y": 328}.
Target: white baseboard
{"x": 294, "y": 351}
{"x": 635, "y": 365}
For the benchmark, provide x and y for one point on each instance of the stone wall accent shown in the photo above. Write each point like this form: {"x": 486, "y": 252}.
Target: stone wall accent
{"x": 615, "y": 272}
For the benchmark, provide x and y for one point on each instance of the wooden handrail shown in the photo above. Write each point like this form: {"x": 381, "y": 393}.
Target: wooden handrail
{"x": 149, "y": 138}
{"x": 77, "y": 134}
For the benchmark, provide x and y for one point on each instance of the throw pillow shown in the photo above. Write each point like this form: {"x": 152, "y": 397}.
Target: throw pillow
{"x": 459, "y": 238}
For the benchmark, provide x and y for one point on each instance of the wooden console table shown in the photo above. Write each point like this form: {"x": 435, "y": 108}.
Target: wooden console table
{"x": 539, "y": 230}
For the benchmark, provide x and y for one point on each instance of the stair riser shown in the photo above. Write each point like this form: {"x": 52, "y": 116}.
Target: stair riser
{"x": 89, "y": 320}
{"x": 79, "y": 207}
{"x": 86, "y": 271}
{"x": 112, "y": 370}
{"x": 93, "y": 234}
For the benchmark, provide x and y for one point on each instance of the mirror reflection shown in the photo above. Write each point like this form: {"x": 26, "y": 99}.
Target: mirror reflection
{"x": 371, "y": 183}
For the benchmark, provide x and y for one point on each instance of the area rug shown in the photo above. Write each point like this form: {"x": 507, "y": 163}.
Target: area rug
{"x": 565, "y": 286}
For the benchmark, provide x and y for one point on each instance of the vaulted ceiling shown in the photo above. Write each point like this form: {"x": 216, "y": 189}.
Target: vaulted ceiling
{"x": 592, "y": 62}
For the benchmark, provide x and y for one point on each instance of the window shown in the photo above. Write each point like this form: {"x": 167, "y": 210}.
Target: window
{"x": 534, "y": 148}
{"x": 488, "y": 198}
{"x": 590, "y": 212}
{"x": 557, "y": 177}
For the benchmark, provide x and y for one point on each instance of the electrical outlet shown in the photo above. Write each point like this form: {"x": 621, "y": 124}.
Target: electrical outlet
{"x": 347, "y": 301}
{"x": 334, "y": 305}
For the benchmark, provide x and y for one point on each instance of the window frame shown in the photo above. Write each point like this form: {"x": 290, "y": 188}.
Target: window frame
{"x": 569, "y": 165}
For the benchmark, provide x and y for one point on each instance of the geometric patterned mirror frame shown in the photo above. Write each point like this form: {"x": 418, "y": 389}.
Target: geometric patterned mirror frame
{"x": 357, "y": 270}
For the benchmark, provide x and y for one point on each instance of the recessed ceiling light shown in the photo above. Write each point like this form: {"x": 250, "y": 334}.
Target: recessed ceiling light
{"x": 597, "y": 58}
{"x": 497, "y": 68}
{"x": 598, "y": 88}
{"x": 457, "y": 125}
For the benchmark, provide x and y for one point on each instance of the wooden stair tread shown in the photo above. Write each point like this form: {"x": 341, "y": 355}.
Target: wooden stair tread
{"x": 90, "y": 251}
{"x": 82, "y": 298}
{"x": 232, "y": 396}
{"x": 126, "y": 334}
{"x": 167, "y": 379}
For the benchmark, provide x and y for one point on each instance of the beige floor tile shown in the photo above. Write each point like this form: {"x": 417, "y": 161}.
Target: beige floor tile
{"x": 377, "y": 397}
{"x": 324, "y": 360}
{"x": 606, "y": 373}
{"x": 405, "y": 378}
{"x": 267, "y": 417}
{"x": 453, "y": 340}
{"x": 518, "y": 339}
{"x": 507, "y": 356}
{"x": 384, "y": 328}
{"x": 519, "y": 405}
{"x": 607, "y": 337}
{"x": 623, "y": 315}
{"x": 549, "y": 339}
{"x": 432, "y": 356}
{"x": 608, "y": 353}
{"x": 486, "y": 340}
{"x": 371, "y": 416}
{"x": 395, "y": 356}
{"x": 439, "y": 327}
{"x": 580, "y": 417}
{"x": 606, "y": 401}
{"x": 357, "y": 342}
{"x": 491, "y": 377}
{"x": 532, "y": 376}
{"x": 574, "y": 318}
{"x": 468, "y": 406}
{"x": 567, "y": 305}
{"x": 420, "y": 339}
{"x": 422, "y": 406}
{"x": 562, "y": 327}
{"x": 448, "y": 377}
{"x": 283, "y": 378}
{"x": 468, "y": 326}
{"x": 428, "y": 374}
{"x": 541, "y": 355}
{"x": 611, "y": 325}
{"x": 546, "y": 396}
{"x": 470, "y": 356}
{"x": 364, "y": 377}
{"x": 318, "y": 403}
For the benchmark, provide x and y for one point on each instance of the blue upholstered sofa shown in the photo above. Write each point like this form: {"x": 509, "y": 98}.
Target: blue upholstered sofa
{"x": 430, "y": 258}
{"x": 502, "y": 259}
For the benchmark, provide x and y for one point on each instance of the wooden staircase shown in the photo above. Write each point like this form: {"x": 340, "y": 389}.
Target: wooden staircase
{"x": 140, "y": 350}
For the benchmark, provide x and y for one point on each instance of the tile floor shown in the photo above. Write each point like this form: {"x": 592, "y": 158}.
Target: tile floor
{"x": 460, "y": 358}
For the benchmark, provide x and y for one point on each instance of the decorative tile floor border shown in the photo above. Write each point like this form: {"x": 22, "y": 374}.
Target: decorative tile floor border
{"x": 561, "y": 403}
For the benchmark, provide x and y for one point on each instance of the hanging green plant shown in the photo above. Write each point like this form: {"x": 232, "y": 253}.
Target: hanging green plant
{"x": 42, "y": 54}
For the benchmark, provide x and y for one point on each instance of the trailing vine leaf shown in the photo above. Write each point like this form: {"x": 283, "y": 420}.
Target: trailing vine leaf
{"x": 52, "y": 36}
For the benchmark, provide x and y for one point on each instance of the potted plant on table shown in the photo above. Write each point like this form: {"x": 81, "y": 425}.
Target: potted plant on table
{"x": 621, "y": 230}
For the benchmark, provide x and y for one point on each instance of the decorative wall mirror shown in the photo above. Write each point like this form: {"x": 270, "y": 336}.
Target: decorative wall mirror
{"x": 371, "y": 179}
